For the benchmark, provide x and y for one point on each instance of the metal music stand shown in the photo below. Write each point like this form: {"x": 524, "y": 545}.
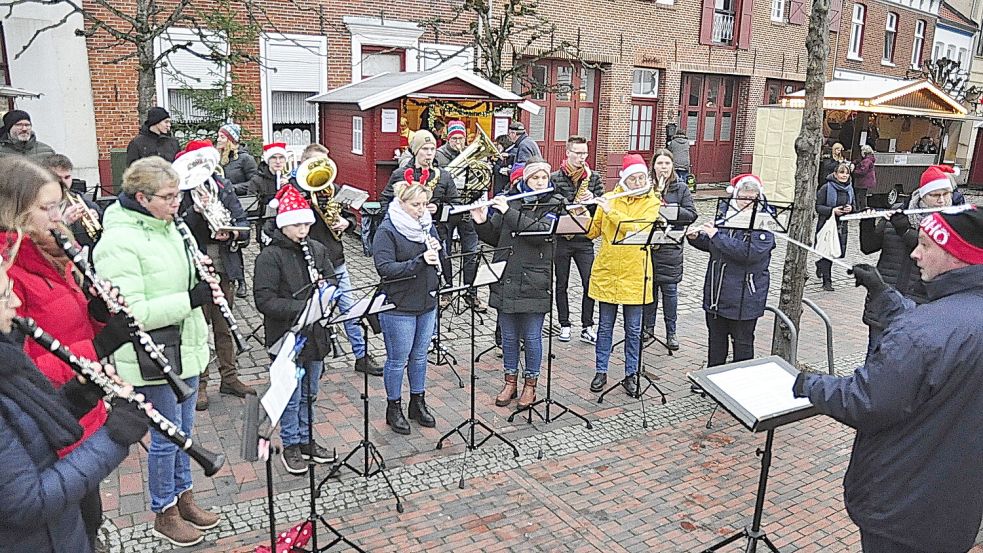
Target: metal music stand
{"x": 371, "y": 303}
{"x": 758, "y": 393}
{"x": 484, "y": 278}
{"x": 443, "y": 357}
{"x": 758, "y": 214}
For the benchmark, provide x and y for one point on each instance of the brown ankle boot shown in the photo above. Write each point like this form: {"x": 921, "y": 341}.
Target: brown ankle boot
{"x": 201, "y": 404}
{"x": 170, "y": 526}
{"x": 528, "y": 396}
{"x": 195, "y": 515}
{"x": 232, "y": 385}
{"x": 508, "y": 391}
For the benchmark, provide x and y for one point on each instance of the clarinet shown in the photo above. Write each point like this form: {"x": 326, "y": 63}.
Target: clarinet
{"x": 117, "y": 305}
{"x": 210, "y": 462}
{"x": 205, "y": 274}
{"x": 426, "y": 231}
{"x": 315, "y": 276}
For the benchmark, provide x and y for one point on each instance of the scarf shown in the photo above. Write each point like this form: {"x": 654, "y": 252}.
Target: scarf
{"x": 575, "y": 175}
{"x": 414, "y": 230}
{"x": 23, "y": 383}
{"x": 834, "y": 187}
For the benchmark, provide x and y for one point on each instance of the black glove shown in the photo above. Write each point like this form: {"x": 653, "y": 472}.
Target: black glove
{"x": 126, "y": 423}
{"x": 869, "y": 277}
{"x": 98, "y": 310}
{"x": 200, "y": 294}
{"x": 81, "y": 398}
{"x": 901, "y": 223}
{"x": 112, "y": 336}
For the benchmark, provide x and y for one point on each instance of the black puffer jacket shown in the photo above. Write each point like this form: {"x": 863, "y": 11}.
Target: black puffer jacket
{"x": 525, "y": 284}
{"x": 320, "y": 231}
{"x": 397, "y": 257}
{"x": 895, "y": 240}
{"x": 281, "y": 272}
{"x": 668, "y": 258}
{"x": 565, "y": 188}
{"x": 148, "y": 143}
{"x": 231, "y": 260}
{"x": 262, "y": 185}
{"x": 444, "y": 192}
{"x": 241, "y": 168}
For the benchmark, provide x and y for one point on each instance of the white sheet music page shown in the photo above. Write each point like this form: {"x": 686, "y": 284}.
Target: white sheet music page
{"x": 763, "y": 390}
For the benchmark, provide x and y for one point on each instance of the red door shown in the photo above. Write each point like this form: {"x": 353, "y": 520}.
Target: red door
{"x": 568, "y": 95}
{"x": 976, "y": 167}
{"x": 707, "y": 113}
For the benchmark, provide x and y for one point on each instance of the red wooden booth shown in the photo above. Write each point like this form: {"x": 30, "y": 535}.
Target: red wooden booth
{"x": 360, "y": 122}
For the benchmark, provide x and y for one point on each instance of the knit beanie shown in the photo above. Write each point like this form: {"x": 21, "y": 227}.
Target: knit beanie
{"x": 960, "y": 234}
{"x": 516, "y": 173}
{"x": 420, "y": 139}
{"x": 456, "y": 128}
{"x": 535, "y": 167}
{"x": 231, "y": 131}
{"x": 13, "y": 117}
{"x": 156, "y": 115}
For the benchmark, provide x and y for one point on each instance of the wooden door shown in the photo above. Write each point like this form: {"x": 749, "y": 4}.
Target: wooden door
{"x": 707, "y": 113}
{"x": 568, "y": 96}
{"x": 976, "y": 167}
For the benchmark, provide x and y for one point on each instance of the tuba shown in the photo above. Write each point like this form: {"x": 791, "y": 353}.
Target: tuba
{"x": 195, "y": 169}
{"x": 472, "y": 166}
{"x": 317, "y": 176}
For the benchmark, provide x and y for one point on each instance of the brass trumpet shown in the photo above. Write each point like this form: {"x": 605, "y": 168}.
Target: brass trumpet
{"x": 90, "y": 223}
{"x": 317, "y": 176}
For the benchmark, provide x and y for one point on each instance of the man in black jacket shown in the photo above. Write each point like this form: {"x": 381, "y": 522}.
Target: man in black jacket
{"x": 62, "y": 167}
{"x": 153, "y": 139}
{"x": 570, "y": 181}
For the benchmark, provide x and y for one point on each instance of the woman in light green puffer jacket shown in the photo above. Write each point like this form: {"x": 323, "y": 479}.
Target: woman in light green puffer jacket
{"x": 142, "y": 253}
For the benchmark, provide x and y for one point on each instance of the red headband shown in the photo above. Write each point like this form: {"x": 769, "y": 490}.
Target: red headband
{"x": 936, "y": 228}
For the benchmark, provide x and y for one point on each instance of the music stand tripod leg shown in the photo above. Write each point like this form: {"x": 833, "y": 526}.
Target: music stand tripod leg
{"x": 442, "y": 357}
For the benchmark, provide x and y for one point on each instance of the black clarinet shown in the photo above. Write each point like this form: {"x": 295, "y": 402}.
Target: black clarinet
{"x": 204, "y": 273}
{"x": 117, "y": 305}
{"x": 315, "y": 276}
{"x": 210, "y": 462}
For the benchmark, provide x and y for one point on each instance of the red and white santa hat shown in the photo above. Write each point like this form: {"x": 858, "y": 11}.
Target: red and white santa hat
{"x": 291, "y": 207}
{"x": 936, "y": 178}
{"x": 960, "y": 233}
{"x": 632, "y": 164}
{"x": 745, "y": 179}
{"x": 276, "y": 148}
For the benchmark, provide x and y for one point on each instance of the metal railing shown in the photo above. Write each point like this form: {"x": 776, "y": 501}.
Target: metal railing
{"x": 723, "y": 27}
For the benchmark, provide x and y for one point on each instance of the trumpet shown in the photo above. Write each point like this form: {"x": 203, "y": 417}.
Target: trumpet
{"x": 485, "y": 203}
{"x": 90, "y": 223}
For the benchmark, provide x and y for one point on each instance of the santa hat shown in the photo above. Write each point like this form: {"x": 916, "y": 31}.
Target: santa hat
{"x": 935, "y": 178}
{"x": 456, "y": 128}
{"x": 516, "y": 173}
{"x": 274, "y": 149}
{"x": 632, "y": 164}
{"x": 960, "y": 234}
{"x": 291, "y": 207}
{"x": 193, "y": 145}
{"x": 745, "y": 179}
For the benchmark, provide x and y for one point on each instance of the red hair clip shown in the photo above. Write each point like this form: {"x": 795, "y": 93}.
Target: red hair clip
{"x": 424, "y": 176}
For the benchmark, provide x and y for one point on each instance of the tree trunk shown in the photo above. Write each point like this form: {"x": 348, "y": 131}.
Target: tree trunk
{"x": 807, "y": 148}
{"x": 146, "y": 78}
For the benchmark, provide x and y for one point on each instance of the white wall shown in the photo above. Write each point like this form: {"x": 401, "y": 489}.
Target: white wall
{"x": 958, "y": 39}
{"x": 57, "y": 66}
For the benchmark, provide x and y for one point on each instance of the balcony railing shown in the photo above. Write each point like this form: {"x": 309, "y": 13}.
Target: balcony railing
{"x": 723, "y": 27}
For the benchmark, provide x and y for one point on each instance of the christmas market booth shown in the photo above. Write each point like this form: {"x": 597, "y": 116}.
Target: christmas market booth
{"x": 366, "y": 125}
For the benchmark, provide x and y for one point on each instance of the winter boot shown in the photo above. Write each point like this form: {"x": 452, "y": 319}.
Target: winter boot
{"x": 528, "y": 396}
{"x": 232, "y": 385}
{"x": 193, "y": 514}
{"x": 508, "y": 392}
{"x": 395, "y": 418}
{"x": 170, "y": 526}
{"x": 418, "y": 411}
{"x": 201, "y": 404}
{"x": 368, "y": 365}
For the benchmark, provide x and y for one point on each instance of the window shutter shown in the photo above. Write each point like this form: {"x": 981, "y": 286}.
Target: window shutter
{"x": 744, "y": 28}
{"x": 797, "y": 12}
{"x": 835, "y": 14}
{"x": 295, "y": 67}
{"x": 706, "y": 25}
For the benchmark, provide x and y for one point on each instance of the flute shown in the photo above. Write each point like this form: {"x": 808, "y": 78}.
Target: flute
{"x": 315, "y": 276}
{"x": 630, "y": 192}
{"x": 210, "y": 462}
{"x": 485, "y": 203}
{"x": 881, "y": 212}
{"x": 205, "y": 274}
{"x": 117, "y": 305}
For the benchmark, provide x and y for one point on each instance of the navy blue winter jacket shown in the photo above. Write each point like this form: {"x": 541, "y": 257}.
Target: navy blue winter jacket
{"x": 916, "y": 473}
{"x": 397, "y": 257}
{"x": 737, "y": 279}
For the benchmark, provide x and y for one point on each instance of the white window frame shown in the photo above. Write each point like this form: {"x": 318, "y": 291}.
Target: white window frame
{"x": 315, "y": 43}
{"x": 358, "y": 134}
{"x": 962, "y": 56}
{"x": 937, "y": 50}
{"x": 389, "y": 33}
{"x": 182, "y": 34}
{"x": 890, "y": 27}
{"x": 658, "y": 77}
{"x": 917, "y": 44}
{"x": 778, "y": 11}
{"x": 446, "y": 56}
{"x": 857, "y": 23}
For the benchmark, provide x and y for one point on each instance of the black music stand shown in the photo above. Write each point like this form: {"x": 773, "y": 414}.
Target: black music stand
{"x": 471, "y": 443}
{"x": 371, "y": 303}
{"x": 757, "y": 214}
{"x": 560, "y": 225}
{"x": 441, "y": 356}
{"x": 758, "y": 393}
{"x": 646, "y": 235}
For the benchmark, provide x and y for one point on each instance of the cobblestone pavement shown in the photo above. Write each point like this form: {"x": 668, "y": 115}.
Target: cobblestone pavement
{"x": 671, "y": 486}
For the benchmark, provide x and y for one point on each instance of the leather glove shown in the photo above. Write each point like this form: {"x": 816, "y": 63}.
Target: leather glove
{"x": 869, "y": 277}
{"x": 112, "y": 336}
{"x": 126, "y": 424}
{"x": 901, "y": 223}
{"x": 200, "y": 294}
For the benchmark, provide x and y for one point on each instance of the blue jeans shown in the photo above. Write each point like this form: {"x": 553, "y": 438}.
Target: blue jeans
{"x": 407, "y": 339}
{"x": 295, "y": 427}
{"x": 345, "y": 302}
{"x": 527, "y": 327}
{"x": 670, "y": 301}
{"x": 169, "y": 470}
{"x": 608, "y": 312}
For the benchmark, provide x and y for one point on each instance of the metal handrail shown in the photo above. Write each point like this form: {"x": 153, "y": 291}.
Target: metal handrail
{"x": 829, "y": 331}
{"x": 779, "y": 314}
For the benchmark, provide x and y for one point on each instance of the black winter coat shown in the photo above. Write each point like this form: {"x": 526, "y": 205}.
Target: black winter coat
{"x": 737, "y": 279}
{"x": 397, "y": 257}
{"x": 444, "y": 192}
{"x": 320, "y": 231}
{"x": 148, "y": 143}
{"x": 231, "y": 260}
{"x": 825, "y": 211}
{"x": 241, "y": 168}
{"x": 566, "y": 189}
{"x": 668, "y": 259}
{"x": 525, "y": 284}
{"x": 262, "y": 185}
{"x": 281, "y": 272}
{"x": 895, "y": 264}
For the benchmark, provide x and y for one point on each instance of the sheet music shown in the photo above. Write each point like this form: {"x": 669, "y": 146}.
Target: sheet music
{"x": 318, "y": 305}
{"x": 351, "y": 196}
{"x": 763, "y": 390}
{"x": 283, "y": 379}
{"x": 669, "y": 212}
{"x": 637, "y": 237}
{"x": 489, "y": 273}
{"x": 379, "y": 303}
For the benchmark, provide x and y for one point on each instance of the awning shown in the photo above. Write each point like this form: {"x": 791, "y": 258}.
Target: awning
{"x": 11, "y": 92}
{"x": 918, "y": 98}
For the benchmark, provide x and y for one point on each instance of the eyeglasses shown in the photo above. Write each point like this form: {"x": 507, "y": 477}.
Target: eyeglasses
{"x": 168, "y": 198}
{"x": 23, "y": 125}
{"x": 8, "y": 293}
{"x": 584, "y": 153}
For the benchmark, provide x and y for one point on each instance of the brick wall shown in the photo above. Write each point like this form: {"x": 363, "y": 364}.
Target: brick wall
{"x": 873, "y": 44}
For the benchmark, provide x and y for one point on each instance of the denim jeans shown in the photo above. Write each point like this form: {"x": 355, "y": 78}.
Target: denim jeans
{"x": 169, "y": 470}
{"x": 527, "y": 327}
{"x": 580, "y": 252}
{"x": 345, "y": 302}
{"x": 407, "y": 339}
{"x": 295, "y": 427}
{"x": 607, "y": 313}
{"x": 670, "y": 302}
{"x": 721, "y": 331}
{"x": 469, "y": 243}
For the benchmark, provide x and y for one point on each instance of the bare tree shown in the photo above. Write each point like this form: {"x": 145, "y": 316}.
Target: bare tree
{"x": 807, "y": 148}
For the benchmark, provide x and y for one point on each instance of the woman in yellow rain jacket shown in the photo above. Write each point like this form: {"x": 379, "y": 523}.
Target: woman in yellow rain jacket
{"x": 622, "y": 275}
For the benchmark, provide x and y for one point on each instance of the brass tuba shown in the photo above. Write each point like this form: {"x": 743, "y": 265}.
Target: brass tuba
{"x": 472, "y": 165}
{"x": 317, "y": 176}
